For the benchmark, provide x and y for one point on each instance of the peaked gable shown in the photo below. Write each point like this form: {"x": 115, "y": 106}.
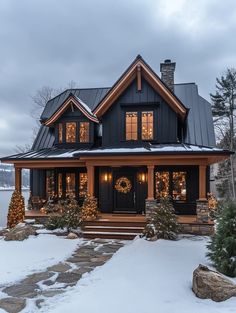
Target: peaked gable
{"x": 67, "y": 103}
{"x": 138, "y": 69}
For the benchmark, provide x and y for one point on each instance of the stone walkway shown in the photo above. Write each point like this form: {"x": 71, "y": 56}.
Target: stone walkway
{"x": 35, "y": 288}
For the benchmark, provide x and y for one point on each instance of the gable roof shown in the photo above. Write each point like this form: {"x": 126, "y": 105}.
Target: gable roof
{"x": 90, "y": 96}
{"x": 78, "y": 103}
{"x": 140, "y": 67}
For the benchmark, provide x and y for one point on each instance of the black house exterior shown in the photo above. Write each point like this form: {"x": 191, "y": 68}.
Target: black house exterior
{"x": 128, "y": 145}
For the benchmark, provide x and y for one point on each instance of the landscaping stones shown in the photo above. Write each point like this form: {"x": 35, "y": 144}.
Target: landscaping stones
{"x": 55, "y": 279}
{"x": 71, "y": 236}
{"x": 20, "y": 232}
{"x": 61, "y": 268}
{"x": 208, "y": 284}
{"x": 12, "y": 305}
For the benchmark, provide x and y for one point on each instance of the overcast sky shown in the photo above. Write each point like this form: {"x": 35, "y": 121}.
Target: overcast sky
{"x": 52, "y": 42}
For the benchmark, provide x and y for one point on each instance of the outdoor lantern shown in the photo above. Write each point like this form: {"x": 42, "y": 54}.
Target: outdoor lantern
{"x": 142, "y": 178}
{"x": 106, "y": 177}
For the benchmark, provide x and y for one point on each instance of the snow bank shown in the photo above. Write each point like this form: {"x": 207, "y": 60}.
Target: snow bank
{"x": 18, "y": 259}
{"x": 143, "y": 277}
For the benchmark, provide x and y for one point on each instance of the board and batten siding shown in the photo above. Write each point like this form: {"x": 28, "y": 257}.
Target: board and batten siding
{"x": 113, "y": 121}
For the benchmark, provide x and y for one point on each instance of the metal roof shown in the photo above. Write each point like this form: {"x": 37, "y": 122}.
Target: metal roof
{"x": 90, "y": 96}
{"x": 200, "y": 127}
{"x": 166, "y": 149}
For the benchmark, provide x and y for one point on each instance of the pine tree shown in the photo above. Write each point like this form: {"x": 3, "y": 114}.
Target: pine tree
{"x": 222, "y": 248}
{"x": 223, "y": 107}
{"x": 89, "y": 209}
{"x": 16, "y": 211}
{"x": 163, "y": 221}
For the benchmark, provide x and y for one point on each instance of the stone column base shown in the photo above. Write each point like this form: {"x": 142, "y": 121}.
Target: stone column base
{"x": 150, "y": 205}
{"x": 202, "y": 211}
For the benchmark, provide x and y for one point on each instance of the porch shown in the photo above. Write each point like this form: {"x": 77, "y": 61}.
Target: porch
{"x": 126, "y": 226}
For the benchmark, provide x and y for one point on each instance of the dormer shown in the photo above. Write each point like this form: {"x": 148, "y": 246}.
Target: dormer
{"x": 74, "y": 124}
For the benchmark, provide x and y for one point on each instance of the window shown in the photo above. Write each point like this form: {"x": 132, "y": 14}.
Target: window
{"x": 147, "y": 125}
{"x": 83, "y": 181}
{"x": 70, "y": 184}
{"x": 171, "y": 183}
{"x": 59, "y": 185}
{"x": 60, "y": 133}
{"x": 162, "y": 184}
{"x": 179, "y": 186}
{"x": 131, "y": 123}
{"x": 50, "y": 183}
{"x": 84, "y": 132}
{"x": 71, "y": 132}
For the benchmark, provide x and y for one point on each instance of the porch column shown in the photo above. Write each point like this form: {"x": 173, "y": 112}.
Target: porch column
{"x": 202, "y": 203}
{"x": 90, "y": 172}
{"x": 150, "y": 182}
{"x": 18, "y": 179}
{"x": 202, "y": 183}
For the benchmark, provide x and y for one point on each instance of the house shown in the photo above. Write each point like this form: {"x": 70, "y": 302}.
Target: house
{"x": 128, "y": 145}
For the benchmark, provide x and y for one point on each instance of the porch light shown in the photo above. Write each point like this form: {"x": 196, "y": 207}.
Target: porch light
{"x": 142, "y": 178}
{"x": 107, "y": 177}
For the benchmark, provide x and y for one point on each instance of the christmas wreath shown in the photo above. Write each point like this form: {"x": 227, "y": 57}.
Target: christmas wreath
{"x": 123, "y": 185}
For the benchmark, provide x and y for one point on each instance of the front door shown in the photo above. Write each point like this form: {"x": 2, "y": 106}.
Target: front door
{"x": 124, "y": 191}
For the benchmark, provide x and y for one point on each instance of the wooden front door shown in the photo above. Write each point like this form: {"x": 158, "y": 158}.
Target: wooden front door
{"x": 124, "y": 186}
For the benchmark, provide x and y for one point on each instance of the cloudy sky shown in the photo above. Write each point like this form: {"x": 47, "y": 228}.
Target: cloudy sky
{"x": 52, "y": 42}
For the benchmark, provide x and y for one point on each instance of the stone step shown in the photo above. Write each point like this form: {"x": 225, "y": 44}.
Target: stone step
{"x": 109, "y": 235}
{"x": 117, "y": 229}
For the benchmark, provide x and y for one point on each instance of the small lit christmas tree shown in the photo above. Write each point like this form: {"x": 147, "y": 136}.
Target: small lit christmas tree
{"x": 163, "y": 221}
{"x": 222, "y": 248}
{"x": 89, "y": 209}
{"x": 70, "y": 217}
{"x": 16, "y": 211}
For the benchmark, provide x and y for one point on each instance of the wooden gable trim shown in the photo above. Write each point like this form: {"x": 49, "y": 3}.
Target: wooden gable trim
{"x": 65, "y": 106}
{"x": 138, "y": 68}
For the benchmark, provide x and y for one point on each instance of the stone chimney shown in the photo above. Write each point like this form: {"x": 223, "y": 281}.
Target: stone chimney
{"x": 167, "y": 73}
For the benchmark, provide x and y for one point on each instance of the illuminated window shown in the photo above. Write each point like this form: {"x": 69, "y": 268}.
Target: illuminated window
{"x": 179, "y": 186}
{"x": 71, "y": 132}
{"x": 70, "y": 184}
{"x": 50, "y": 187}
{"x": 131, "y": 122}
{"x": 59, "y": 185}
{"x": 84, "y": 132}
{"x": 83, "y": 182}
{"x": 60, "y": 132}
{"x": 147, "y": 125}
{"x": 162, "y": 184}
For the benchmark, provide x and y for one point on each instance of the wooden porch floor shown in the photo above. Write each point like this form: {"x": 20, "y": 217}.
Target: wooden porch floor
{"x": 105, "y": 217}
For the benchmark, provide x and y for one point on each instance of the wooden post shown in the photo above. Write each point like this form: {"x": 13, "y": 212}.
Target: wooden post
{"x": 150, "y": 182}
{"x": 90, "y": 172}
{"x": 202, "y": 182}
{"x": 139, "y": 78}
{"x": 18, "y": 179}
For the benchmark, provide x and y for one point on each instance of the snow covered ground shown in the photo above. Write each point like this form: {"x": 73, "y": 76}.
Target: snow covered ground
{"x": 19, "y": 259}
{"x": 143, "y": 277}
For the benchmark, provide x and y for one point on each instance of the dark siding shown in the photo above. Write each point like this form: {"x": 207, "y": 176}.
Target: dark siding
{"x": 76, "y": 116}
{"x": 113, "y": 120}
{"x": 37, "y": 183}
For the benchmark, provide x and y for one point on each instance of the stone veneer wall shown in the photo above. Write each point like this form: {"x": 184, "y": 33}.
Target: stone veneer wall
{"x": 203, "y": 226}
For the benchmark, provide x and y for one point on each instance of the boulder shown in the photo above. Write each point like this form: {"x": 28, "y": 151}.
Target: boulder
{"x": 208, "y": 284}
{"x": 72, "y": 236}
{"x": 20, "y": 232}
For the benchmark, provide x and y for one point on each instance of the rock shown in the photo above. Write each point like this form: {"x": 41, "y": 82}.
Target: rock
{"x": 3, "y": 232}
{"x": 21, "y": 290}
{"x": 71, "y": 236}
{"x": 37, "y": 277}
{"x": 20, "y": 233}
{"x": 60, "y": 267}
{"x": 208, "y": 284}
{"x": 52, "y": 293}
{"x": 39, "y": 303}
{"x": 68, "y": 278}
{"x": 12, "y": 305}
